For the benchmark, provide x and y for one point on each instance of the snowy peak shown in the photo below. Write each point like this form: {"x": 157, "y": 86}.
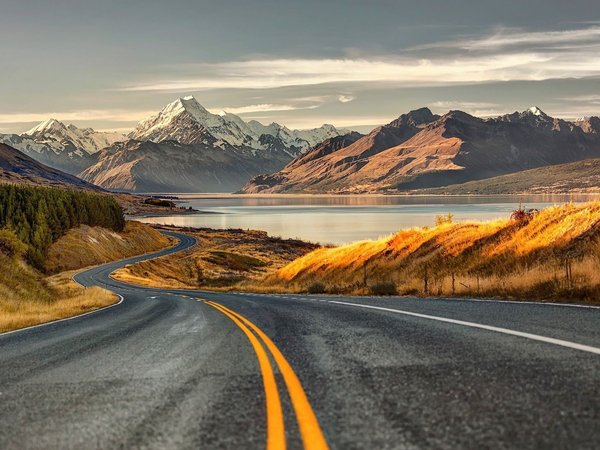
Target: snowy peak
{"x": 50, "y": 125}
{"x": 532, "y": 116}
{"x": 186, "y": 121}
{"x": 59, "y": 136}
{"x": 537, "y": 111}
{"x": 61, "y": 146}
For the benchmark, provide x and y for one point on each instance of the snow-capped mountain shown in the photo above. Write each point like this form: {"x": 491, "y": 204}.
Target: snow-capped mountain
{"x": 188, "y": 122}
{"x": 61, "y": 146}
{"x": 52, "y": 131}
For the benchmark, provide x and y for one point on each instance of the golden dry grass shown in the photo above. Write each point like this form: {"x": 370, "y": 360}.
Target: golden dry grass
{"x": 39, "y": 299}
{"x": 223, "y": 259}
{"x": 86, "y": 246}
{"x": 554, "y": 256}
{"x": 27, "y": 297}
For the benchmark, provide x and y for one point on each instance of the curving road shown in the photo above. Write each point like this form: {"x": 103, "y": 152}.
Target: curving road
{"x": 191, "y": 369}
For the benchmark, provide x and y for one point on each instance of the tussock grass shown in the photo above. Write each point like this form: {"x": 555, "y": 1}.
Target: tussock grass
{"x": 27, "y": 298}
{"x": 86, "y": 246}
{"x": 555, "y": 256}
{"x": 223, "y": 259}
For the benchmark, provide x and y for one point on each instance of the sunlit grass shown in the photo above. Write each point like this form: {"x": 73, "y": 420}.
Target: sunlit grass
{"x": 554, "y": 256}
{"x": 223, "y": 259}
{"x": 86, "y": 246}
{"x": 45, "y": 299}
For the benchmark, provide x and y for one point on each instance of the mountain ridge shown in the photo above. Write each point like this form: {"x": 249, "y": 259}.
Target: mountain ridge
{"x": 423, "y": 150}
{"x": 186, "y": 121}
{"x": 64, "y": 147}
{"x": 18, "y": 168}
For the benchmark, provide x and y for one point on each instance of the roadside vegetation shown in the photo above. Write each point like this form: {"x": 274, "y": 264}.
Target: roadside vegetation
{"x": 40, "y": 215}
{"x": 88, "y": 246}
{"x": 223, "y": 259}
{"x": 553, "y": 254}
{"x": 48, "y": 230}
{"x": 550, "y": 255}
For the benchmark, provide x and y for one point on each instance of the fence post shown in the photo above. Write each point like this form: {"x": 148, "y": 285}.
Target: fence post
{"x": 453, "y": 289}
{"x": 425, "y": 282}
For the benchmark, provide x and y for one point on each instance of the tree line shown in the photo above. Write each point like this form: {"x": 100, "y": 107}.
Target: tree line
{"x": 39, "y": 215}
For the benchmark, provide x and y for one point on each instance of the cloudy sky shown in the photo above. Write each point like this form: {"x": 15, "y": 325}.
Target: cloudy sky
{"x": 108, "y": 64}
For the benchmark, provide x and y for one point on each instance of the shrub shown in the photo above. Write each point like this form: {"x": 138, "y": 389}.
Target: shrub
{"x": 444, "y": 219}
{"x": 316, "y": 288}
{"x": 384, "y": 288}
{"x": 10, "y": 244}
{"x": 159, "y": 202}
{"x": 522, "y": 215}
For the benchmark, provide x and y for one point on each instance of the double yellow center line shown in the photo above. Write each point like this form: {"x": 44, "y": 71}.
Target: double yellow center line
{"x": 310, "y": 431}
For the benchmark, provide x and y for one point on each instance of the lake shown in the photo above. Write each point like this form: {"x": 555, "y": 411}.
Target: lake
{"x": 342, "y": 219}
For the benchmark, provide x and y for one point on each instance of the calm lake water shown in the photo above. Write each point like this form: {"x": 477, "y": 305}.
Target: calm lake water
{"x": 343, "y": 219}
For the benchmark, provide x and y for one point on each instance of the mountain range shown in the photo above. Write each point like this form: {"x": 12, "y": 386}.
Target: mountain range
{"x": 424, "y": 150}
{"x": 61, "y": 146}
{"x": 186, "y": 148}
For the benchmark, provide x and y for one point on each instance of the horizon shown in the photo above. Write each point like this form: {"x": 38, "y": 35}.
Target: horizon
{"x": 109, "y": 66}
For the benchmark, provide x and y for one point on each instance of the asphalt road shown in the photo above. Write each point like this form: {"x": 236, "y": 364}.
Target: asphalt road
{"x": 190, "y": 369}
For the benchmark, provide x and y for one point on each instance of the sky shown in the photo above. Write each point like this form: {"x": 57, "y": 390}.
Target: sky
{"x": 356, "y": 64}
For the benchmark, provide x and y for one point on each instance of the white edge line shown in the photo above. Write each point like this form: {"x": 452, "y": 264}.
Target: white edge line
{"x": 444, "y": 299}
{"x": 104, "y": 308}
{"x": 535, "y": 337}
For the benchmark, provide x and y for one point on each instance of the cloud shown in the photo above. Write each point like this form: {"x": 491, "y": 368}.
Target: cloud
{"x": 263, "y": 107}
{"x": 78, "y": 116}
{"x": 504, "y": 55}
{"x": 481, "y": 109}
{"x": 503, "y": 38}
{"x": 345, "y": 98}
{"x": 594, "y": 99}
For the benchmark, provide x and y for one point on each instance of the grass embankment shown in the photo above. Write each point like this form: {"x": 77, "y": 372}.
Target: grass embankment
{"x": 29, "y": 297}
{"x": 223, "y": 259}
{"x": 86, "y": 246}
{"x": 555, "y": 256}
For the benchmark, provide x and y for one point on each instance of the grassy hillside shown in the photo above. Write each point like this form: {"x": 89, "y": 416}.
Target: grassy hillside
{"x": 555, "y": 255}
{"x": 52, "y": 230}
{"x": 39, "y": 216}
{"x": 222, "y": 259}
{"x": 87, "y": 246}
{"x": 29, "y": 297}
{"x": 578, "y": 176}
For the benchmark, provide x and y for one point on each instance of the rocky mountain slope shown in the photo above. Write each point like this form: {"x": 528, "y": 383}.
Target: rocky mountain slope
{"x": 185, "y": 148}
{"x": 422, "y": 150}
{"x": 16, "y": 167}
{"x": 579, "y": 176}
{"x": 144, "y": 166}
{"x": 61, "y": 146}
